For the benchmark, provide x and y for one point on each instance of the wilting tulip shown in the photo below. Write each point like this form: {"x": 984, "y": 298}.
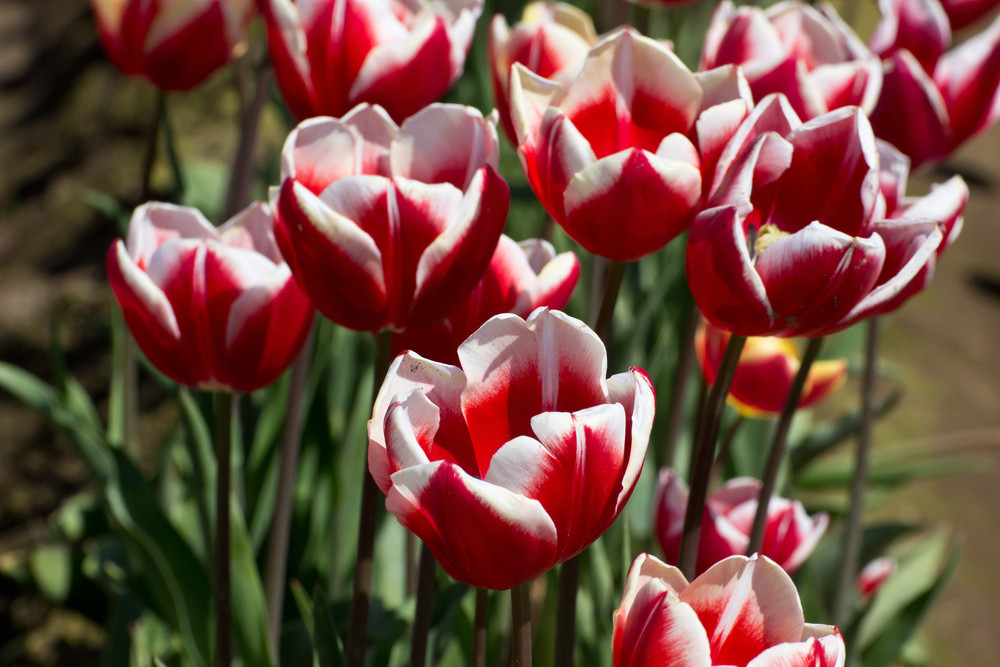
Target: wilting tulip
{"x": 331, "y": 55}
{"x": 810, "y": 55}
{"x": 743, "y": 612}
{"x": 211, "y": 308}
{"x": 929, "y": 105}
{"x": 792, "y": 246}
{"x": 517, "y": 460}
{"x": 388, "y": 227}
{"x": 874, "y": 574}
{"x": 790, "y": 535}
{"x": 765, "y": 372}
{"x": 626, "y": 141}
{"x": 550, "y": 40}
{"x": 175, "y": 44}
{"x": 520, "y": 278}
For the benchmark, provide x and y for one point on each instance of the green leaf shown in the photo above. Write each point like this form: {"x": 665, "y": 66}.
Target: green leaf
{"x": 249, "y": 603}
{"x": 52, "y": 569}
{"x": 327, "y": 646}
{"x": 885, "y": 471}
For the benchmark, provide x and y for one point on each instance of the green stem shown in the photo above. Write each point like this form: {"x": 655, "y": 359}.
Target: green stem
{"x": 777, "y": 453}
{"x": 609, "y": 296}
{"x": 422, "y": 615}
{"x": 357, "y": 633}
{"x": 569, "y": 582}
{"x": 479, "y": 628}
{"x": 152, "y": 142}
{"x": 520, "y": 606}
{"x": 225, "y": 405}
{"x": 843, "y": 595}
{"x": 277, "y": 548}
{"x": 704, "y": 455}
{"x": 675, "y": 411}
{"x": 238, "y": 192}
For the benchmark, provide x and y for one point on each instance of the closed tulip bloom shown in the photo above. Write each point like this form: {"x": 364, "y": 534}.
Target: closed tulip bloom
{"x": 790, "y": 535}
{"x": 215, "y": 309}
{"x": 616, "y": 155}
{"x": 810, "y": 55}
{"x": 792, "y": 245}
{"x": 765, "y": 372}
{"x": 934, "y": 100}
{"x": 331, "y": 55}
{"x": 517, "y": 460}
{"x": 874, "y": 574}
{"x": 919, "y": 26}
{"x": 742, "y": 612}
{"x": 551, "y": 40}
{"x": 389, "y": 227}
{"x": 175, "y": 44}
{"x": 521, "y": 277}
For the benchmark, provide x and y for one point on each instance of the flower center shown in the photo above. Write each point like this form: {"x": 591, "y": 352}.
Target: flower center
{"x": 765, "y": 236}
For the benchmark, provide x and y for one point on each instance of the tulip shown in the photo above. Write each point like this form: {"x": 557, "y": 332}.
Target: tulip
{"x": 930, "y": 105}
{"x": 789, "y": 538}
{"x": 331, "y": 55}
{"x": 874, "y": 574}
{"x": 627, "y": 141}
{"x": 521, "y": 277}
{"x": 215, "y": 309}
{"x": 175, "y": 44}
{"x": 765, "y": 372}
{"x": 792, "y": 246}
{"x": 517, "y": 460}
{"x": 742, "y": 611}
{"x": 808, "y": 54}
{"x": 550, "y": 40}
{"x": 388, "y": 227}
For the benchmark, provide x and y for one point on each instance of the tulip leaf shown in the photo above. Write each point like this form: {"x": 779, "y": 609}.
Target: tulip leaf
{"x": 249, "y": 604}
{"x": 885, "y": 471}
{"x": 52, "y": 570}
{"x": 327, "y": 646}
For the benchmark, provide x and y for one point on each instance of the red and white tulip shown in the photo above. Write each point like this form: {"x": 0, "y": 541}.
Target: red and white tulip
{"x": 626, "y": 141}
{"x": 388, "y": 227}
{"x": 517, "y": 460}
{"x": 793, "y": 245}
{"x": 810, "y": 55}
{"x": 211, "y": 308}
{"x": 331, "y": 55}
{"x": 521, "y": 277}
{"x": 176, "y": 44}
{"x": 790, "y": 535}
{"x": 874, "y": 574}
{"x": 743, "y": 612}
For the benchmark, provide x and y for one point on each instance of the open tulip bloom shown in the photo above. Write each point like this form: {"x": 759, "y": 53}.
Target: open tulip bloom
{"x": 331, "y": 55}
{"x": 790, "y": 535}
{"x": 796, "y": 241}
{"x": 627, "y": 141}
{"x": 210, "y": 308}
{"x": 741, "y": 612}
{"x": 175, "y": 44}
{"x": 519, "y": 459}
{"x": 387, "y": 227}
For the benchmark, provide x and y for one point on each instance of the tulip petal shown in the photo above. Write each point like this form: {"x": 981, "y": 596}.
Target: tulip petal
{"x": 825, "y": 652}
{"x": 658, "y": 196}
{"x": 661, "y": 630}
{"x": 746, "y": 605}
{"x": 472, "y": 527}
{"x": 444, "y": 143}
{"x": 968, "y": 77}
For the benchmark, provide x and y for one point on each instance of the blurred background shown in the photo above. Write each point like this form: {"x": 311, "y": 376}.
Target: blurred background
{"x": 73, "y": 133}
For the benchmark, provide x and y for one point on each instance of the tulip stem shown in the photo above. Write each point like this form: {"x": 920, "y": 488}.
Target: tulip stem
{"x": 675, "y": 411}
{"x": 703, "y": 456}
{"x": 859, "y": 484}
{"x": 277, "y": 548}
{"x": 357, "y": 632}
{"x": 726, "y": 445}
{"x": 520, "y": 606}
{"x": 605, "y": 314}
{"x": 238, "y": 192}
{"x": 225, "y": 407}
{"x": 422, "y": 615}
{"x": 777, "y": 452}
{"x": 152, "y": 143}
{"x": 479, "y": 628}
{"x": 569, "y": 582}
